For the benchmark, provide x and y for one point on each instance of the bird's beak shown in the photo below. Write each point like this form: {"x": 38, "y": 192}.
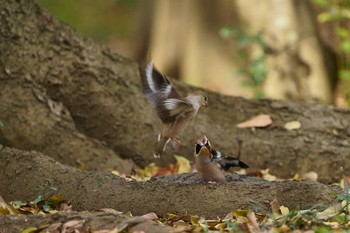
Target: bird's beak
{"x": 205, "y": 138}
{"x": 206, "y": 103}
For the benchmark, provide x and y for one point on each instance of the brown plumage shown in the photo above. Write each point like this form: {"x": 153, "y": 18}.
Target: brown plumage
{"x": 175, "y": 112}
{"x": 223, "y": 161}
{"x": 206, "y": 168}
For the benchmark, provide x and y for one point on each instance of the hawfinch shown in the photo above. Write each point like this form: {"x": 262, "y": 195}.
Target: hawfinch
{"x": 206, "y": 167}
{"x": 175, "y": 112}
{"x": 225, "y": 162}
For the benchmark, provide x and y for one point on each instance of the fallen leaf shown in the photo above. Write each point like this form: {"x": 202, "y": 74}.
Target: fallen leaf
{"x": 284, "y": 210}
{"x": 262, "y": 120}
{"x": 30, "y": 229}
{"x": 184, "y": 165}
{"x": 311, "y": 176}
{"x": 74, "y": 224}
{"x": 148, "y": 171}
{"x": 267, "y": 176}
{"x": 130, "y": 222}
{"x": 292, "y": 125}
{"x": 150, "y": 216}
{"x": 7, "y": 208}
{"x": 253, "y": 222}
{"x": 111, "y": 211}
{"x": 330, "y": 212}
{"x": 275, "y": 207}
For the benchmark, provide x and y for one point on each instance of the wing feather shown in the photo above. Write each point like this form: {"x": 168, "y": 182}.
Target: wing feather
{"x": 161, "y": 94}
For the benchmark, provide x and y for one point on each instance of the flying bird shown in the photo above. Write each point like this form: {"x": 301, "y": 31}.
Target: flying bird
{"x": 174, "y": 111}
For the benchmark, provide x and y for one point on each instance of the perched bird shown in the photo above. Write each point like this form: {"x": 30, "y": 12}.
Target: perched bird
{"x": 225, "y": 162}
{"x": 175, "y": 112}
{"x": 206, "y": 167}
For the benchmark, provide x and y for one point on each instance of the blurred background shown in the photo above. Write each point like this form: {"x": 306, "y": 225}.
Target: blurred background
{"x": 284, "y": 49}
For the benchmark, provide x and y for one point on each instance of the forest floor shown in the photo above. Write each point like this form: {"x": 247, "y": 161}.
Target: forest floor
{"x": 53, "y": 211}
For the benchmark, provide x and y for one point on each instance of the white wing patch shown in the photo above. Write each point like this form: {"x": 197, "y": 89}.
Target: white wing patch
{"x": 171, "y": 104}
{"x": 167, "y": 90}
{"x": 150, "y": 81}
{"x": 218, "y": 155}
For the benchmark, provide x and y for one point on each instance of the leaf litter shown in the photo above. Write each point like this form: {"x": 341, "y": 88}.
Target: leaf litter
{"x": 278, "y": 219}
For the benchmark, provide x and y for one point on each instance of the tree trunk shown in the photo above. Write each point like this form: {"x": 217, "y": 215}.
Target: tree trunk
{"x": 180, "y": 194}
{"x": 74, "y": 100}
{"x": 297, "y": 64}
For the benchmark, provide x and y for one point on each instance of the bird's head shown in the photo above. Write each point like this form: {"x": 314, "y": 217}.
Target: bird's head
{"x": 214, "y": 154}
{"x": 204, "y": 101}
{"x": 201, "y": 150}
{"x": 198, "y": 98}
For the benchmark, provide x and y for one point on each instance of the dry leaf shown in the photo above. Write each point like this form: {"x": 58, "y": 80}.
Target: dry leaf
{"x": 74, "y": 224}
{"x": 6, "y": 208}
{"x": 252, "y": 220}
{"x": 111, "y": 211}
{"x": 267, "y": 176}
{"x": 330, "y": 211}
{"x": 311, "y": 176}
{"x": 292, "y": 125}
{"x": 275, "y": 206}
{"x": 184, "y": 165}
{"x": 130, "y": 222}
{"x": 262, "y": 120}
{"x": 150, "y": 216}
{"x": 284, "y": 210}
{"x": 30, "y": 230}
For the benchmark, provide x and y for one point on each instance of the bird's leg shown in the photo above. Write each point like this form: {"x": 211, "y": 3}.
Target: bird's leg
{"x": 160, "y": 146}
{"x": 176, "y": 143}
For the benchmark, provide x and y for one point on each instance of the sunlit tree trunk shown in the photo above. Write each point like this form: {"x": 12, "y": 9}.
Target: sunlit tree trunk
{"x": 185, "y": 42}
{"x": 297, "y": 68}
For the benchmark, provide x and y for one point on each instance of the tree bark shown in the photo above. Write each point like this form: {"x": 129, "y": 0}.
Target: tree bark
{"x": 74, "y": 100}
{"x": 179, "y": 194}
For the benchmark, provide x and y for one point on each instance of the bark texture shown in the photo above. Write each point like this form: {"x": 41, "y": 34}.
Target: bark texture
{"x": 179, "y": 194}
{"x": 74, "y": 100}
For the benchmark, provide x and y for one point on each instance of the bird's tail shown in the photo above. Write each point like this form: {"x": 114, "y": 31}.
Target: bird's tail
{"x": 242, "y": 165}
{"x": 160, "y": 146}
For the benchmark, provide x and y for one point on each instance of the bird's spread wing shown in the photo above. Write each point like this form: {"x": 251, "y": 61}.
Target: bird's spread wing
{"x": 162, "y": 95}
{"x": 155, "y": 85}
{"x": 170, "y": 109}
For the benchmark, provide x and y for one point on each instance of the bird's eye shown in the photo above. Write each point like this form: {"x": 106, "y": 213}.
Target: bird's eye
{"x": 205, "y": 98}
{"x": 198, "y": 148}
